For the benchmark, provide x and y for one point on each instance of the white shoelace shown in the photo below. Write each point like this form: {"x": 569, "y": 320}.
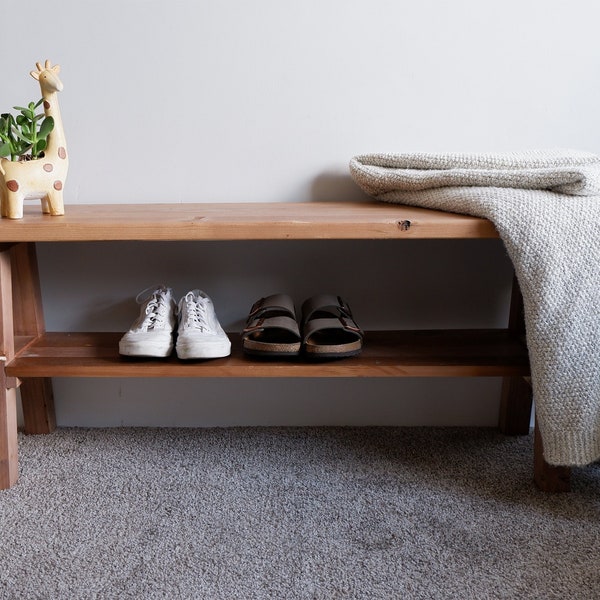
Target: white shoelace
{"x": 195, "y": 313}
{"x": 157, "y": 311}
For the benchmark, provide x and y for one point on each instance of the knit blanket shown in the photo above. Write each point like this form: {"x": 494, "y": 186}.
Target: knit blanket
{"x": 546, "y": 208}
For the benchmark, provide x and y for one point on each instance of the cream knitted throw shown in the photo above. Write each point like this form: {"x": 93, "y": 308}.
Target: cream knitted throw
{"x": 546, "y": 208}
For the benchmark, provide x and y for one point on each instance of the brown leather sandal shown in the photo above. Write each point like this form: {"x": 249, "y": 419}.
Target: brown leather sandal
{"x": 328, "y": 328}
{"x": 272, "y": 328}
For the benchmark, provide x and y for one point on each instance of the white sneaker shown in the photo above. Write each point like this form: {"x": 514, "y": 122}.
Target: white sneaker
{"x": 152, "y": 333}
{"x": 200, "y": 334}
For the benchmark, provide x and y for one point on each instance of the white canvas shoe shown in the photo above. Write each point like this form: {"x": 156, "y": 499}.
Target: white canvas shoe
{"x": 200, "y": 334}
{"x": 152, "y": 333}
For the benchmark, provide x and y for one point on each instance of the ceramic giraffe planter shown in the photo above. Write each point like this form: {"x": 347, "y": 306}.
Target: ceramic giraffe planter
{"x": 42, "y": 178}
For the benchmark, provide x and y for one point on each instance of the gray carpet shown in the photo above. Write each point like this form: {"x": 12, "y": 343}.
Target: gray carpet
{"x": 306, "y": 513}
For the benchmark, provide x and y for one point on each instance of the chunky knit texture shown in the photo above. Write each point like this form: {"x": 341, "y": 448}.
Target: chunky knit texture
{"x": 546, "y": 208}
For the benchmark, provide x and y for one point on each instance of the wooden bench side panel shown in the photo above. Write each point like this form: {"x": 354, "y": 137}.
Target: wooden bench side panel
{"x": 28, "y": 315}
{"x": 9, "y": 463}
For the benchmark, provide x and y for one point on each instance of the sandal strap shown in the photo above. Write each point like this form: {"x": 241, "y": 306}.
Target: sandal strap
{"x": 315, "y": 325}
{"x": 326, "y": 302}
{"x": 274, "y": 302}
{"x": 262, "y": 323}
{"x": 340, "y": 315}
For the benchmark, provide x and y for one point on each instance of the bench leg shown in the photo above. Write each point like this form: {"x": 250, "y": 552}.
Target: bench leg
{"x": 515, "y": 406}
{"x": 516, "y": 402}
{"x": 36, "y": 394}
{"x": 515, "y": 416}
{"x": 548, "y": 478}
{"x": 9, "y": 463}
{"x": 515, "y": 410}
{"x": 37, "y": 398}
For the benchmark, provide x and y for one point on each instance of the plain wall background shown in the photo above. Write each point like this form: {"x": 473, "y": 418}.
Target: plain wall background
{"x": 196, "y": 101}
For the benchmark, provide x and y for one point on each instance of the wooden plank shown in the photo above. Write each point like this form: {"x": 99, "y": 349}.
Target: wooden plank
{"x": 27, "y": 295}
{"x": 548, "y": 478}
{"x": 242, "y": 221}
{"x": 37, "y": 398}
{"x": 9, "y": 460}
{"x": 517, "y": 399}
{"x": 9, "y": 464}
{"x": 7, "y": 336}
{"x": 515, "y": 406}
{"x": 428, "y": 353}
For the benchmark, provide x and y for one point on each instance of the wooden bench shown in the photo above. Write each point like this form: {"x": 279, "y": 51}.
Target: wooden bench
{"x": 33, "y": 356}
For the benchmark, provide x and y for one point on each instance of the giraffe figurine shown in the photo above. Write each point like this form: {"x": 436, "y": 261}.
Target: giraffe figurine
{"x": 44, "y": 177}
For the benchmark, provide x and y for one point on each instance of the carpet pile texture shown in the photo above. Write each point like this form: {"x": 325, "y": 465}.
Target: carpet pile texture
{"x": 293, "y": 513}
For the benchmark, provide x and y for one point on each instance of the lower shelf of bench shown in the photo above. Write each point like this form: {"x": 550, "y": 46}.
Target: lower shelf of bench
{"x": 425, "y": 353}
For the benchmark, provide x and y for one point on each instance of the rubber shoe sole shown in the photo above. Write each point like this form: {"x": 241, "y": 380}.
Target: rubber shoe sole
{"x": 146, "y": 348}
{"x": 194, "y": 349}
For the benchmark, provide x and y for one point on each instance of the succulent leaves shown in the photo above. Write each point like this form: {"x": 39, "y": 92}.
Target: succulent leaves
{"x": 25, "y": 136}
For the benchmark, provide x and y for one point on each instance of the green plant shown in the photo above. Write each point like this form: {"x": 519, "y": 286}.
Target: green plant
{"x": 26, "y": 136}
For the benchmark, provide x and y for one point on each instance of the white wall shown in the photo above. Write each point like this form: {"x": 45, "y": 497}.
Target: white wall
{"x": 192, "y": 101}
